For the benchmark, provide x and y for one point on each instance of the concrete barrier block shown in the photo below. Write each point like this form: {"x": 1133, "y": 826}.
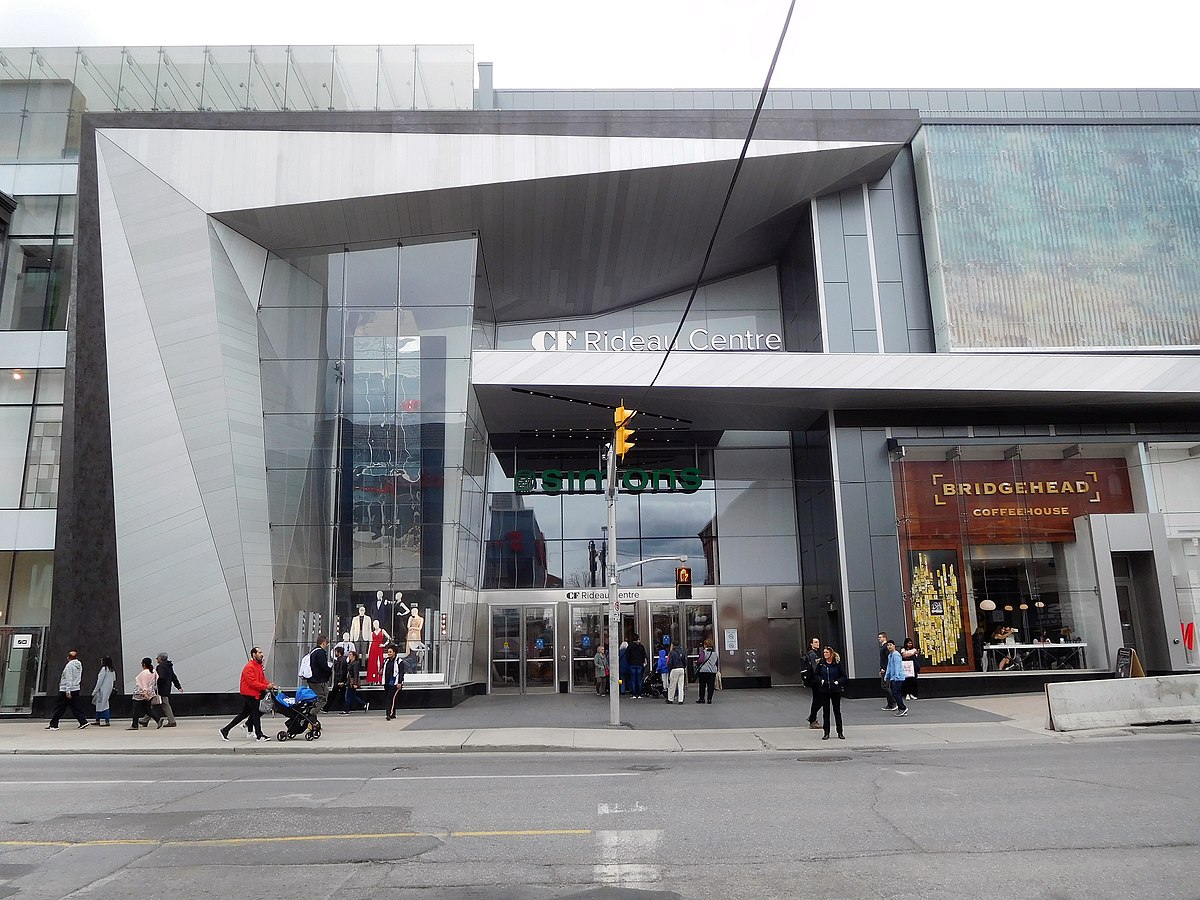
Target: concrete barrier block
{"x": 1115, "y": 702}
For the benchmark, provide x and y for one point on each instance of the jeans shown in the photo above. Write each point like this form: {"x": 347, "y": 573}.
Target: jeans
{"x": 321, "y": 689}
{"x": 815, "y": 707}
{"x": 352, "y": 697}
{"x": 144, "y": 709}
{"x": 635, "y": 679}
{"x": 675, "y": 685}
{"x": 250, "y": 713}
{"x": 708, "y": 681}
{"x": 898, "y": 693}
{"x": 834, "y": 700}
{"x": 77, "y": 709}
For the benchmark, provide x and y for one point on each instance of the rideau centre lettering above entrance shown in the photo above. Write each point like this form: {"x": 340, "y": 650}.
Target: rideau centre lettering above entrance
{"x": 591, "y": 481}
{"x": 617, "y": 341}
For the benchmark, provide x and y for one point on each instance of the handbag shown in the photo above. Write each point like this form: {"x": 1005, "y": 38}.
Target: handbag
{"x": 156, "y": 700}
{"x": 720, "y": 687}
{"x": 910, "y": 670}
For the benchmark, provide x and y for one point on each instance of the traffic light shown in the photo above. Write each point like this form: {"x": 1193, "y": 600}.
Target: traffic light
{"x": 683, "y": 583}
{"x": 621, "y": 442}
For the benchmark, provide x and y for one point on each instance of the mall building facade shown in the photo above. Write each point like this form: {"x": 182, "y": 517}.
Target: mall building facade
{"x": 314, "y": 340}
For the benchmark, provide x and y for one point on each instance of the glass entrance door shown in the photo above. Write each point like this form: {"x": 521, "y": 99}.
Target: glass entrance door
{"x": 522, "y": 650}
{"x": 1127, "y": 608}
{"x": 682, "y": 621}
{"x": 589, "y": 632}
{"x": 20, "y": 657}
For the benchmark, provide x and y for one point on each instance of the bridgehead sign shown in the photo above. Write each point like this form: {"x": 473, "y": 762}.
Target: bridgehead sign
{"x": 618, "y": 341}
{"x": 591, "y": 481}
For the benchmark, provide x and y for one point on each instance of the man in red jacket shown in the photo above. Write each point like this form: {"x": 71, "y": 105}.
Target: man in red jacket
{"x": 254, "y": 683}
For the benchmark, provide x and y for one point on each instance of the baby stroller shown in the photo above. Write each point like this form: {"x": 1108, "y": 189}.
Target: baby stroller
{"x": 300, "y": 713}
{"x": 653, "y": 687}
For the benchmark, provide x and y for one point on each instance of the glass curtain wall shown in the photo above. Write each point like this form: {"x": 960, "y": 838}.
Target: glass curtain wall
{"x": 365, "y": 386}
{"x": 35, "y": 274}
{"x": 738, "y": 527}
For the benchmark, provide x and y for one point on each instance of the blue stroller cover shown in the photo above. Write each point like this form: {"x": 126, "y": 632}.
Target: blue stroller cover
{"x": 283, "y": 699}
{"x": 305, "y": 695}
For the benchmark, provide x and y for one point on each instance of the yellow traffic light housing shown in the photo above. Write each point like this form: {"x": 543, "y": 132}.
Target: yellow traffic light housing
{"x": 683, "y": 583}
{"x": 621, "y": 441}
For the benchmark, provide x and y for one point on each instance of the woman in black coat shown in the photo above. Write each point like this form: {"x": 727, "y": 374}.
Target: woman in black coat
{"x": 830, "y": 682}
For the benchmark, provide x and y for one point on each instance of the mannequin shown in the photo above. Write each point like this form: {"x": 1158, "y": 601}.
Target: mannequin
{"x": 375, "y": 655}
{"x": 416, "y": 628}
{"x": 346, "y": 644}
{"x": 360, "y": 625}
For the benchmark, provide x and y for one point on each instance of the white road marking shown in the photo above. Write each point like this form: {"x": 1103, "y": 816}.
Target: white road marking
{"x": 608, "y": 809}
{"x": 616, "y": 845}
{"x": 321, "y": 778}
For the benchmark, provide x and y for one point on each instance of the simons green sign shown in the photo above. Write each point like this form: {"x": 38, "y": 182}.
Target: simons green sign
{"x": 591, "y": 481}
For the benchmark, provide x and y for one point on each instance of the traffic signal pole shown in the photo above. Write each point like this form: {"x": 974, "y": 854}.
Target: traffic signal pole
{"x": 614, "y": 603}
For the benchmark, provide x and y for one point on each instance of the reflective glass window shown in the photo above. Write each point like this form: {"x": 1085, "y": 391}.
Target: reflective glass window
{"x": 14, "y": 441}
{"x": 32, "y": 580}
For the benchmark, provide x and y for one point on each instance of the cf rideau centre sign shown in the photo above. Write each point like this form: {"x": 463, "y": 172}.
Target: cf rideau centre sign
{"x": 697, "y": 339}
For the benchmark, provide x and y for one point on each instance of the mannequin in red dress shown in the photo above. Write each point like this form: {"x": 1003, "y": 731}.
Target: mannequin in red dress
{"x": 375, "y": 656}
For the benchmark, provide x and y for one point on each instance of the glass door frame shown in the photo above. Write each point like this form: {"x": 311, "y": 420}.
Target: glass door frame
{"x": 521, "y": 684}
{"x": 693, "y": 634}
{"x": 585, "y": 661}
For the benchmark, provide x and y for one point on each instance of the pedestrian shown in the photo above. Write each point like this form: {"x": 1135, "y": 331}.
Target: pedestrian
{"x": 393, "y": 681}
{"x": 623, "y": 667}
{"x": 830, "y": 683}
{"x": 911, "y": 657}
{"x": 883, "y": 661}
{"x": 707, "y": 662}
{"x": 165, "y": 670}
{"x": 809, "y": 677}
{"x": 253, "y": 685}
{"x": 315, "y": 673}
{"x": 353, "y": 683}
{"x": 337, "y": 697}
{"x": 601, "y": 664}
{"x": 636, "y": 655}
{"x": 145, "y": 692}
{"x": 106, "y": 680}
{"x": 677, "y": 669}
{"x": 894, "y": 675}
{"x": 68, "y": 693}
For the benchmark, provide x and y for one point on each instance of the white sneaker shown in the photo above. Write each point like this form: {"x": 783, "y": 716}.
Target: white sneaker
{"x": 52, "y": 728}
{"x": 261, "y": 739}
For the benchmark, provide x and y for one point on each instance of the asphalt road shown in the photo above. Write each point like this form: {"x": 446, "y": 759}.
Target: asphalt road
{"x": 1091, "y": 819}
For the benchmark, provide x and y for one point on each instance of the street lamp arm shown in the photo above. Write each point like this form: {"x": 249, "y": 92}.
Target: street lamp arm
{"x": 642, "y": 562}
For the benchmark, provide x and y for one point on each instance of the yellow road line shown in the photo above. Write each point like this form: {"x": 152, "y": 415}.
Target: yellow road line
{"x": 295, "y": 838}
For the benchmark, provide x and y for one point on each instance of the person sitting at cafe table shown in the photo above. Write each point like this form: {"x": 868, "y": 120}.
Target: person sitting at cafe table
{"x": 999, "y": 636}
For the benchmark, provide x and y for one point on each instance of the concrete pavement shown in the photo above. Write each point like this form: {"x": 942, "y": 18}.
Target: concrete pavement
{"x": 752, "y": 720}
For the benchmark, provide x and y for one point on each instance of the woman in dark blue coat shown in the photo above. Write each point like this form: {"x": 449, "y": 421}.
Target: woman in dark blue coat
{"x": 830, "y": 682}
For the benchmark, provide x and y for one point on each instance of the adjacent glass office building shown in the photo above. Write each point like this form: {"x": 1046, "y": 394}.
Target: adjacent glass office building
{"x": 311, "y": 340}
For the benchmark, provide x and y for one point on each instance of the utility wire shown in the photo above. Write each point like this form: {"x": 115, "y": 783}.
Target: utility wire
{"x": 762, "y": 99}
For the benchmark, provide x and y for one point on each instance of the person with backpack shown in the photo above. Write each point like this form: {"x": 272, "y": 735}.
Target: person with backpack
{"x": 636, "y": 657}
{"x": 315, "y": 673}
{"x": 809, "y": 676}
{"x": 353, "y": 683}
{"x": 677, "y": 666}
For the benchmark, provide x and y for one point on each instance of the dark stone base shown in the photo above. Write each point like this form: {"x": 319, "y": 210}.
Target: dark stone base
{"x": 934, "y": 687}
{"x": 423, "y": 697}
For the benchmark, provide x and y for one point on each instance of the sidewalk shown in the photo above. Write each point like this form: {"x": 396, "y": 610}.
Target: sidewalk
{"x": 737, "y": 721}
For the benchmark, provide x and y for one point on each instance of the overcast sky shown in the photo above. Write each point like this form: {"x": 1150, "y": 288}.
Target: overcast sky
{"x": 670, "y": 43}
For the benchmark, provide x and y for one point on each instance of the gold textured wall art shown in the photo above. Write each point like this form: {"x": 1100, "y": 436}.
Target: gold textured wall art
{"x": 936, "y": 610}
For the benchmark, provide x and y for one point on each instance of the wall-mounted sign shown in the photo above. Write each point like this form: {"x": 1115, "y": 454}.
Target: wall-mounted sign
{"x": 22, "y": 641}
{"x": 1008, "y": 500}
{"x": 602, "y": 595}
{"x": 731, "y": 639}
{"x": 617, "y": 341}
{"x": 591, "y": 481}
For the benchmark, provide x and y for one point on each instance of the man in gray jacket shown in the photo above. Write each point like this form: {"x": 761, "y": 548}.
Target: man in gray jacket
{"x": 68, "y": 693}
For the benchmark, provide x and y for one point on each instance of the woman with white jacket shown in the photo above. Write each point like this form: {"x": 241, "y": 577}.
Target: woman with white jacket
{"x": 106, "y": 680}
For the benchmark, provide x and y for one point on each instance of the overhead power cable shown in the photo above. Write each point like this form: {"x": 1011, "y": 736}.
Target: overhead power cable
{"x": 762, "y": 99}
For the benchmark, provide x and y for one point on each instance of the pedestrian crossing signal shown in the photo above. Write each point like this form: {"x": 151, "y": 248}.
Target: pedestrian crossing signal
{"x": 683, "y": 583}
